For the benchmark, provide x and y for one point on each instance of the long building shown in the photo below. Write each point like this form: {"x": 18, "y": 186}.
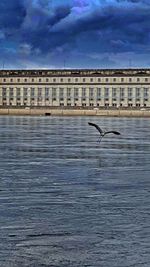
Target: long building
{"x": 103, "y": 88}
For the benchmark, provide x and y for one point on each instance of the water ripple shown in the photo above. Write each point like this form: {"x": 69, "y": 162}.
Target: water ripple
{"x": 66, "y": 200}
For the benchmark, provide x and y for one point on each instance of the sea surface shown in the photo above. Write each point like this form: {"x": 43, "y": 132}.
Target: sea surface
{"x": 67, "y": 200}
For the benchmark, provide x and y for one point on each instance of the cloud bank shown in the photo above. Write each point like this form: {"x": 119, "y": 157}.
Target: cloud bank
{"x": 84, "y": 33}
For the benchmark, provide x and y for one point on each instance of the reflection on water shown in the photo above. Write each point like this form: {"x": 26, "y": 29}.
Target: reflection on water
{"x": 66, "y": 200}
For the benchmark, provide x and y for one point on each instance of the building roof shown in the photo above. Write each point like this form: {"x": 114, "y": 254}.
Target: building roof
{"x": 74, "y": 72}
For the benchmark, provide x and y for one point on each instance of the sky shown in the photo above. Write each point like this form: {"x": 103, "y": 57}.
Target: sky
{"x": 74, "y": 34}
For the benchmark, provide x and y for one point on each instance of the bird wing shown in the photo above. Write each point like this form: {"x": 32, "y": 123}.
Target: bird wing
{"x": 96, "y": 126}
{"x": 114, "y": 132}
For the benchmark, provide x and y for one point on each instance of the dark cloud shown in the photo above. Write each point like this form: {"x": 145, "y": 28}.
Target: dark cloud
{"x": 12, "y": 14}
{"x": 115, "y": 28}
{"x": 89, "y": 26}
{"x": 39, "y": 35}
{"x": 112, "y": 21}
{"x": 60, "y": 13}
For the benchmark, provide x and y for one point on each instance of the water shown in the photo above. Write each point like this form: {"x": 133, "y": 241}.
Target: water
{"x": 68, "y": 201}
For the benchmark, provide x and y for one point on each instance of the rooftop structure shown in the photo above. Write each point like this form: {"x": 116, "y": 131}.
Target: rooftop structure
{"x": 75, "y": 72}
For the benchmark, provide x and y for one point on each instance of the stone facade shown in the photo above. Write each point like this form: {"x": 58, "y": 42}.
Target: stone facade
{"x": 92, "y": 88}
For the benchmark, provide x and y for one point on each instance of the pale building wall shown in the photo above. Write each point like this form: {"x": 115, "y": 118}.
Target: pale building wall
{"x": 27, "y": 82}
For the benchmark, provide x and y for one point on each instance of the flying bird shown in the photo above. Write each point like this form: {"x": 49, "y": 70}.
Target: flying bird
{"x": 102, "y": 133}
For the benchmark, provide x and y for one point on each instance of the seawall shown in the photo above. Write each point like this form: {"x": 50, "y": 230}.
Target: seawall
{"x": 75, "y": 112}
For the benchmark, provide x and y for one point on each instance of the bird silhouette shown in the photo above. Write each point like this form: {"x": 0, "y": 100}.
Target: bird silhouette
{"x": 102, "y": 133}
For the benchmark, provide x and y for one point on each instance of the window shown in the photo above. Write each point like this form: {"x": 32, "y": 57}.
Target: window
{"x": 83, "y": 79}
{"x": 32, "y": 80}
{"x": 18, "y": 80}
{"x": 11, "y": 92}
{"x": 114, "y": 104}
{"x": 114, "y": 79}
{"x": 76, "y": 80}
{"x": 130, "y": 94}
{"x": 84, "y": 94}
{"x": 91, "y": 80}
{"x": 122, "y": 94}
{"x": 47, "y": 80}
{"x": 46, "y": 92}
{"x": 91, "y": 93}
{"x": 106, "y": 93}
{"x": 4, "y": 80}
{"x": 54, "y": 80}
{"x": 69, "y": 80}
{"x": 39, "y": 79}
{"x": 25, "y": 92}
{"x": 32, "y": 92}
{"x": 98, "y": 93}
{"x": 53, "y": 93}
{"x": 3, "y": 91}
{"x": 25, "y": 80}
{"x": 61, "y": 80}
{"x": 130, "y": 79}
{"x": 11, "y": 80}
{"x": 146, "y": 94}
{"x": 137, "y": 93}
{"x": 76, "y": 93}
{"x": 18, "y": 93}
{"x": 83, "y": 104}
{"x": 39, "y": 92}
{"x": 114, "y": 93}
{"x": 146, "y": 79}
{"x": 106, "y": 80}
{"x": 137, "y": 104}
{"x": 99, "y": 80}
{"x": 138, "y": 79}
{"x": 130, "y": 104}
{"x": 61, "y": 94}
{"x": 68, "y": 92}
{"x": 122, "y": 79}
{"x": 4, "y": 94}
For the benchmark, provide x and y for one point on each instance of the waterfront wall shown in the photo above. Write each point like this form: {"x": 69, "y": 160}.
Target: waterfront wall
{"x": 75, "y": 112}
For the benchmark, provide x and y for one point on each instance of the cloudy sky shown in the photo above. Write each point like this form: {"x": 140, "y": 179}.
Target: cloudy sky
{"x": 74, "y": 33}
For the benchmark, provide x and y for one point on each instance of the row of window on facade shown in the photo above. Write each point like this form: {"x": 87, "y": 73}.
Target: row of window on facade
{"x": 61, "y": 93}
{"x": 83, "y": 105}
{"x": 69, "y": 80}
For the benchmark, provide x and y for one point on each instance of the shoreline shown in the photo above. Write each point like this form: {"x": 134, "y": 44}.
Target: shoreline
{"x": 75, "y": 112}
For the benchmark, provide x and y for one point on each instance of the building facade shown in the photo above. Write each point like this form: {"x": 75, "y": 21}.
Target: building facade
{"x": 78, "y": 88}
